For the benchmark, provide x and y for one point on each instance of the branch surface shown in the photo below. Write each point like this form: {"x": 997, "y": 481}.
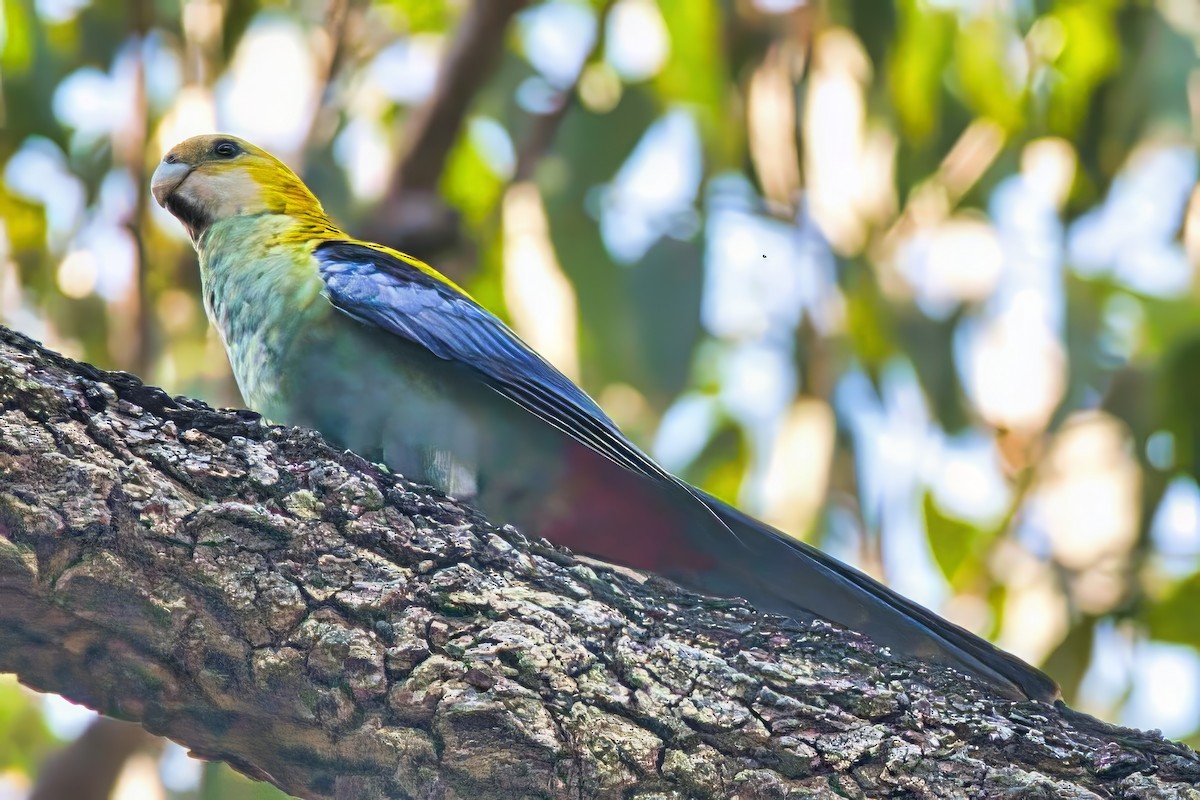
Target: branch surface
{"x": 342, "y": 633}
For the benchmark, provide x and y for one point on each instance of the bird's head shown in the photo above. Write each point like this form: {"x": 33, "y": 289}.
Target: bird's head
{"x": 209, "y": 178}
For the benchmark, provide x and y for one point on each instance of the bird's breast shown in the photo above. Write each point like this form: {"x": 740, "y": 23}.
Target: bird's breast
{"x": 299, "y": 361}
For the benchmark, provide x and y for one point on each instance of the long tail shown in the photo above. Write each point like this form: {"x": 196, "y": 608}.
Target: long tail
{"x": 778, "y": 574}
{"x": 661, "y": 524}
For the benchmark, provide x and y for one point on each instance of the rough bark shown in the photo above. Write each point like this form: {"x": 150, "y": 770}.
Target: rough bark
{"x": 319, "y": 623}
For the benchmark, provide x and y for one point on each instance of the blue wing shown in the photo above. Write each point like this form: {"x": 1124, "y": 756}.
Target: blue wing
{"x": 380, "y": 288}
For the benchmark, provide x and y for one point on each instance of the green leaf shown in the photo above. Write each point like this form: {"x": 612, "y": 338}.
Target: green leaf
{"x": 1180, "y": 393}
{"x": 981, "y": 62}
{"x": 720, "y": 468}
{"x": 952, "y": 541}
{"x": 469, "y": 184}
{"x": 922, "y": 49}
{"x": 588, "y": 151}
{"x": 697, "y": 71}
{"x": 1069, "y": 662}
{"x": 220, "y": 782}
{"x": 664, "y": 291}
{"x": 869, "y": 318}
{"x": 16, "y": 37}
{"x": 1174, "y": 619}
{"x": 1090, "y": 53}
{"x": 422, "y": 16}
{"x": 26, "y": 738}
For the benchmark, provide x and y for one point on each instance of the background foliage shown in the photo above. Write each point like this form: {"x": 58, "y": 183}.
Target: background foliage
{"x": 915, "y": 282}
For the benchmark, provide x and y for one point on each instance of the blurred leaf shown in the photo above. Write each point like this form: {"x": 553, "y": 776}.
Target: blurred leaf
{"x": 1174, "y": 619}
{"x": 868, "y": 319}
{"x": 996, "y": 598}
{"x": 696, "y": 71}
{"x": 469, "y": 184}
{"x": 665, "y": 289}
{"x": 424, "y": 15}
{"x": 982, "y": 65}
{"x": 1167, "y": 322}
{"x": 953, "y": 542}
{"x": 1090, "y": 53}
{"x": 222, "y": 782}
{"x": 931, "y": 345}
{"x": 1069, "y": 662}
{"x": 24, "y": 737}
{"x": 922, "y": 49}
{"x": 1180, "y": 390}
{"x": 16, "y": 55}
{"x": 1145, "y": 94}
{"x": 875, "y": 24}
{"x": 588, "y": 151}
{"x": 62, "y": 38}
{"x": 720, "y": 468}
{"x": 1167, "y": 79}
{"x": 499, "y": 98}
{"x": 693, "y": 72}
{"x": 1130, "y": 398}
{"x": 322, "y": 169}
{"x": 237, "y": 17}
{"x": 24, "y": 222}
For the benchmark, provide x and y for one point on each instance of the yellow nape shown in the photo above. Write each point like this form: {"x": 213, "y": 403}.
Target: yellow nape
{"x": 218, "y": 176}
{"x": 412, "y": 261}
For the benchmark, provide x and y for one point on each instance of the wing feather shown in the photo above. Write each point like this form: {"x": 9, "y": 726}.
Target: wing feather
{"x": 379, "y": 288}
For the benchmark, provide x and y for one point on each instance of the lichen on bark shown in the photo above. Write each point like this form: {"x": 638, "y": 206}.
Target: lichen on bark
{"x": 330, "y": 627}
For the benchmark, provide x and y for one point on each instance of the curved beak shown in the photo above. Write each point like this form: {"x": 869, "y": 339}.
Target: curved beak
{"x": 167, "y": 178}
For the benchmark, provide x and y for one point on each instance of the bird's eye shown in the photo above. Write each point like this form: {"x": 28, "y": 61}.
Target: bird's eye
{"x": 226, "y": 149}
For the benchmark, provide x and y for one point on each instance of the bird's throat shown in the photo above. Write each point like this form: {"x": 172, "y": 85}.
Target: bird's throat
{"x": 191, "y": 214}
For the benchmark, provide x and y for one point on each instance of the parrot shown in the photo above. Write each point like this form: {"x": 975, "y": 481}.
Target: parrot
{"x": 386, "y": 357}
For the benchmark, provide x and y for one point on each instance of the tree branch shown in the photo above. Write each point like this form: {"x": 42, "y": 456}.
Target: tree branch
{"x": 478, "y": 42}
{"x": 342, "y": 633}
{"x": 413, "y": 217}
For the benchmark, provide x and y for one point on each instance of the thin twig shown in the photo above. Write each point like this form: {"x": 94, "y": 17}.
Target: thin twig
{"x": 469, "y": 63}
{"x": 146, "y": 335}
{"x": 413, "y": 217}
{"x": 337, "y": 24}
{"x": 541, "y": 135}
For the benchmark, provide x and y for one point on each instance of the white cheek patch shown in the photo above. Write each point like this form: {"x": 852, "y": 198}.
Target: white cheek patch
{"x": 222, "y": 194}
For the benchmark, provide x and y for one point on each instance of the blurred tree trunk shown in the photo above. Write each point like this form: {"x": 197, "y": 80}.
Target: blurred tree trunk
{"x": 88, "y": 768}
{"x": 320, "y": 624}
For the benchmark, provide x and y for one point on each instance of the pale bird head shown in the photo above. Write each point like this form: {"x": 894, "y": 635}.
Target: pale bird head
{"x": 212, "y": 177}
